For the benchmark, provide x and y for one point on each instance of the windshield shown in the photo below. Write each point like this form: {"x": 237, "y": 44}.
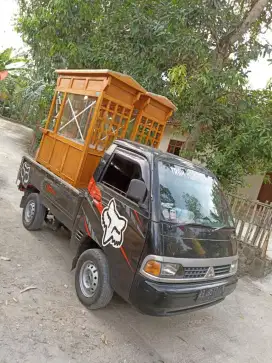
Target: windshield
{"x": 188, "y": 196}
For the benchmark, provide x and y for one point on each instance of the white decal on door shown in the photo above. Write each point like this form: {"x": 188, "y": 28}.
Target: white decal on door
{"x": 25, "y": 173}
{"x": 114, "y": 225}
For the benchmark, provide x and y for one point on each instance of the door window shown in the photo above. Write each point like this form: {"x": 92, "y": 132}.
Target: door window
{"x": 120, "y": 172}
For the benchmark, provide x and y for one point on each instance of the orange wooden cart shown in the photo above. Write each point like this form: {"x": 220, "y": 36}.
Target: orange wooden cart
{"x": 89, "y": 110}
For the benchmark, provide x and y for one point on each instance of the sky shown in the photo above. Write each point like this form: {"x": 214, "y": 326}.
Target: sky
{"x": 8, "y": 37}
{"x": 260, "y": 71}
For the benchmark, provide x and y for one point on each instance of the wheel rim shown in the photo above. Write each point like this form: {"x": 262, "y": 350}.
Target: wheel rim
{"x": 88, "y": 278}
{"x": 30, "y": 211}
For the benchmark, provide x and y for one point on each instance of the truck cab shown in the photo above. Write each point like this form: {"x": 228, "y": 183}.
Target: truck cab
{"x": 165, "y": 228}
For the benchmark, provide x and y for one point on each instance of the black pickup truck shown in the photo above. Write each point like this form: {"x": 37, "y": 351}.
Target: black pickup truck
{"x": 151, "y": 226}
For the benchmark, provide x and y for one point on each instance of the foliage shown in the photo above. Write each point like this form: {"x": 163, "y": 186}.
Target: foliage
{"x": 7, "y": 62}
{"x": 194, "y": 51}
{"x": 235, "y": 124}
{"x": 8, "y": 66}
{"x": 26, "y": 98}
{"x": 193, "y": 205}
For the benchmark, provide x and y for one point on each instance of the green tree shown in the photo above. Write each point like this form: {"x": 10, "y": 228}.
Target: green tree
{"x": 194, "y": 51}
{"x": 166, "y": 196}
{"x": 229, "y": 124}
{"x": 26, "y": 98}
{"x": 193, "y": 205}
{"x": 7, "y": 61}
{"x": 8, "y": 76}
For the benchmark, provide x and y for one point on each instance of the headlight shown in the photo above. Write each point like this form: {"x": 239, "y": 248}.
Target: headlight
{"x": 234, "y": 267}
{"x": 161, "y": 269}
{"x": 169, "y": 269}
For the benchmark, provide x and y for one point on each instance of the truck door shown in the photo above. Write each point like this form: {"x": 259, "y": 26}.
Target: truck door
{"x": 119, "y": 224}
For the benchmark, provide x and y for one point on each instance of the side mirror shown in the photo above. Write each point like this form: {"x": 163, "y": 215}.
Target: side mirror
{"x": 136, "y": 191}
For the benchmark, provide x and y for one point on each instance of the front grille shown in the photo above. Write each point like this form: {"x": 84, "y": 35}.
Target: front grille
{"x": 200, "y": 272}
{"x": 194, "y": 272}
{"x": 221, "y": 270}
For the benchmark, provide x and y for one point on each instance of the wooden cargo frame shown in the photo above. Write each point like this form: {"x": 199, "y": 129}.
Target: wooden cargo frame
{"x": 111, "y": 99}
{"x": 154, "y": 111}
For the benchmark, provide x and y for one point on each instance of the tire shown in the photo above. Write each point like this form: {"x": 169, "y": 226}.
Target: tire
{"x": 93, "y": 291}
{"x": 33, "y": 212}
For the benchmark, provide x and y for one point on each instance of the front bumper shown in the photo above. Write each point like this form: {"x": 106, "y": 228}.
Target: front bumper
{"x": 161, "y": 299}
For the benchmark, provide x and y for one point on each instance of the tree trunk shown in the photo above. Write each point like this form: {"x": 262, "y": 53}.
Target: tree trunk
{"x": 192, "y": 139}
{"x": 225, "y": 44}
{"x": 253, "y": 15}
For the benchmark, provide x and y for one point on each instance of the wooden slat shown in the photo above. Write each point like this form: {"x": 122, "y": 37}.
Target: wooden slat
{"x": 250, "y": 226}
{"x": 239, "y": 234}
{"x": 253, "y": 220}
{"x": 265, "y": 245}
{"x": 267, "y": 223}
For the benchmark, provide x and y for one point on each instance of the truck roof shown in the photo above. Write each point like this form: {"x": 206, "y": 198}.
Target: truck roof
{"x": 150, "y": 153}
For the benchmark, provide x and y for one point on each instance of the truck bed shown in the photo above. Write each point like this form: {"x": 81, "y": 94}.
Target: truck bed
{"x": 61, "y": 198}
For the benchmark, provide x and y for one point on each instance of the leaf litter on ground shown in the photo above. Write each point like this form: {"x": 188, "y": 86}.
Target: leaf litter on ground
{"x": 28, "y": 288}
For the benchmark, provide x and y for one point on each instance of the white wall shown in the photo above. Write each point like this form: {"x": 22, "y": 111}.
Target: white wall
{"x": 254, "y": 183}
{"x": 170, "y": 132}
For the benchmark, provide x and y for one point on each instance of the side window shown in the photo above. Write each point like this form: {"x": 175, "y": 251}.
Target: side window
{"x": 101, "y": 166}
{"x": 120, "y": 172}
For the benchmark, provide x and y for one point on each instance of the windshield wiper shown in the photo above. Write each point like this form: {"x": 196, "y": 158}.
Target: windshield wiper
{"x": 196, "y": 225}
{"x": 223, "y": 227}
{"x": 207, "y": 226}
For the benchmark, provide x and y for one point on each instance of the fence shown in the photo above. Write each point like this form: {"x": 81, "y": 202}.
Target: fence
{"x": 253, "y": 221}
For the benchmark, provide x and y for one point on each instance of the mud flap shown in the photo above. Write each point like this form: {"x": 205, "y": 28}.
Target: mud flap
{"x": 23, "y": 200}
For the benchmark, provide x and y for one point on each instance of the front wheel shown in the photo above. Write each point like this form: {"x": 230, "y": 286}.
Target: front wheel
{"x": 33, "y": 213}
{"x": 92, "y": 279}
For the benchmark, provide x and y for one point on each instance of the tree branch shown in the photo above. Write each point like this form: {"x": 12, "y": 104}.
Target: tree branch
{"x": 254, "y": 14}
{"x": 224, "y": 47}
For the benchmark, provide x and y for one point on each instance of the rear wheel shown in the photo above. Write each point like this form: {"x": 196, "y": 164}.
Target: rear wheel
{"x": 33, "y": 212}
{"x": 92, "y": 279}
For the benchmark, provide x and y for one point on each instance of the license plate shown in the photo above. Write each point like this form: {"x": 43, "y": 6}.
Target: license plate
{"x": 210, "y": 294}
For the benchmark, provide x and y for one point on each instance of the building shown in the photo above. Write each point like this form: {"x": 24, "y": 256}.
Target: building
{"x": 172, "y": 141}
{"x": 255, "y": 189}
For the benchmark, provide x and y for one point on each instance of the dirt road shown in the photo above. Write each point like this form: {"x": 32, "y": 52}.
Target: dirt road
{"x": 48, "y": 324}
